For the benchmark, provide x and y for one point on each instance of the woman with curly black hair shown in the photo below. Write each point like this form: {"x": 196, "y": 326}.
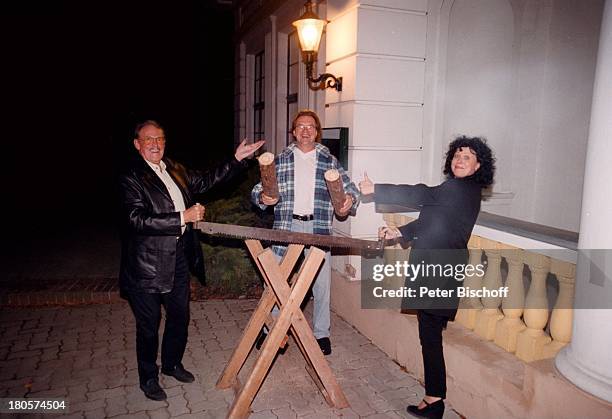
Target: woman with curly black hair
{"x": 440, "y": 235}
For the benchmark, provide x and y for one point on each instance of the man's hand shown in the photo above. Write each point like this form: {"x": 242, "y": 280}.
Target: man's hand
{"x": 389, "y": 233}
{"x": 346, "y": 206}
{"x": 194, "y": 213}
{"x": 244, "y": 150}
{"x": 266, "y": 200}
{"x": 366, "y": 186}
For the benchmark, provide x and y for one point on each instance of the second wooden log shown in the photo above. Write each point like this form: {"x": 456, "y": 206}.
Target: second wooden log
{"x": 267, "y": 168}
{"x": 336, "y": 190}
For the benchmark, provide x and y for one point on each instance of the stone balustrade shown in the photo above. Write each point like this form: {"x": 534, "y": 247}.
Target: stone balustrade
{"x": 521, "y": 322}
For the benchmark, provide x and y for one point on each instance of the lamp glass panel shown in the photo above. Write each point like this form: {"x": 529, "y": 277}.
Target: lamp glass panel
{"x": 309, "y": 32}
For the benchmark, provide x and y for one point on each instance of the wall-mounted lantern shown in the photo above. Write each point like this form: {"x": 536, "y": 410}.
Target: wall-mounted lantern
{"x": 310, "y": 28}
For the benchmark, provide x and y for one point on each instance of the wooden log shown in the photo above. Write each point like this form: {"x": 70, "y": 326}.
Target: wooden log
{"x": 335, "y": 188}
{"x": 267, "y": 168}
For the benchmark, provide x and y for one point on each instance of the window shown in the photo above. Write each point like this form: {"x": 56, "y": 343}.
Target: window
{"x": 293, "y": 72}
{"x": 258, "y": 98}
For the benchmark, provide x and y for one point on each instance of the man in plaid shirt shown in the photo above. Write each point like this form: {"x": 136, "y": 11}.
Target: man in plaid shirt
{"x": 304, "y": 205}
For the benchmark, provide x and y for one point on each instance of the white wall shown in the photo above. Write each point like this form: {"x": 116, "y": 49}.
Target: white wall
{"x": 566, "y": 99}
{"x": 520, "y": 73}
{"x": 479, "y": 75}
{"x": 378, "y": 47}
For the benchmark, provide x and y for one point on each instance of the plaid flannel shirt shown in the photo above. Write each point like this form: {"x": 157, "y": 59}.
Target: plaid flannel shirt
{"x": 323, "y": 209}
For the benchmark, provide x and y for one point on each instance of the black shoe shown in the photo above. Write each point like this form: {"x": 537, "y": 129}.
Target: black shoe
{"x": 152, "y": 390}
{"x": 261, "y": 339}
{"x": 325, "y": 345}
{"x": 179, "y": 373}
{"x": 433, "y": 410}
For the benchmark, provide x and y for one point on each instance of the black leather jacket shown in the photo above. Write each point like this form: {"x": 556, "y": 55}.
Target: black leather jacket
{"x": 151, "y": 225}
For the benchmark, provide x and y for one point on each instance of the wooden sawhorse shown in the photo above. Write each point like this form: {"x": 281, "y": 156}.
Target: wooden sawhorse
{"x": 288, "y": 297}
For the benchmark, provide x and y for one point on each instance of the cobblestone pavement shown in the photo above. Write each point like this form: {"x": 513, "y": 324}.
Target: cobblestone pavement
{"x": 86, "y": 356}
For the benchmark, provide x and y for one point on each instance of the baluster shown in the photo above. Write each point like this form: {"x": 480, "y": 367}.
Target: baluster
{"x": 391, "y": 255}
{"x": 470, "y": 306}
{"x": 531, "y": 341}
{"x": 563, "y": 313}
{"x": 507, "y": 330}
{"x": 488, "y": 317}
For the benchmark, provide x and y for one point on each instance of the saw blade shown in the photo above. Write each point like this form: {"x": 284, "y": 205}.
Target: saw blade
{"x": 282, "y": 236}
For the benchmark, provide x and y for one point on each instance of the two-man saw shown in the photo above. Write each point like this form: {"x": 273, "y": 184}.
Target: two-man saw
{"x": 288, "y": 237}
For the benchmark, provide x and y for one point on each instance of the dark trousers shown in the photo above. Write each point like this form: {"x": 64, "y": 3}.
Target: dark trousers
{"x": 147, "y": 312}
{"x": 430, "y": 335}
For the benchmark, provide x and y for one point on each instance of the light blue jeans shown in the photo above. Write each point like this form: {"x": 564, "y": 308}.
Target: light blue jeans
{"x": 320, "y": 289}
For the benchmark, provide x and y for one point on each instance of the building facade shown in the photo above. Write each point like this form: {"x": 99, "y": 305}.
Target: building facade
{"x": 417, "y": 73}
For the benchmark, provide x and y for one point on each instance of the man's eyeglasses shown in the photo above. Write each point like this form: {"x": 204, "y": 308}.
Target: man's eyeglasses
{"x": 151, "y": 140}
{"x": 303, "y": 127}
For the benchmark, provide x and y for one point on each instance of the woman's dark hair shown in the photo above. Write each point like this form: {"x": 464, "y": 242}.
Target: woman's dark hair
{"x": 484, "y": 175}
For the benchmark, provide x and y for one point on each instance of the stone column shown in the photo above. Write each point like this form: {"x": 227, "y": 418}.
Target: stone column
{"x": 586, "y": 361}
{"x": 379, "y": 48}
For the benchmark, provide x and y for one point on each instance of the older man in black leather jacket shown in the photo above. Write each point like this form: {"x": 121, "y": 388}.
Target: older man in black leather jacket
{"x": 159, "y": 246}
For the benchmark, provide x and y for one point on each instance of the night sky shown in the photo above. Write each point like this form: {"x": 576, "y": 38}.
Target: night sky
{"x": 77, "y": 76}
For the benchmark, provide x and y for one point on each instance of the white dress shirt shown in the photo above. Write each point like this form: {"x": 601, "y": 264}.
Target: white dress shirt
{"x": 175, "y": 192}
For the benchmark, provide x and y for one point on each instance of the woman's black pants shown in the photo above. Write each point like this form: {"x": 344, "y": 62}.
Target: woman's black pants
{"x": 430, "y": 335}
